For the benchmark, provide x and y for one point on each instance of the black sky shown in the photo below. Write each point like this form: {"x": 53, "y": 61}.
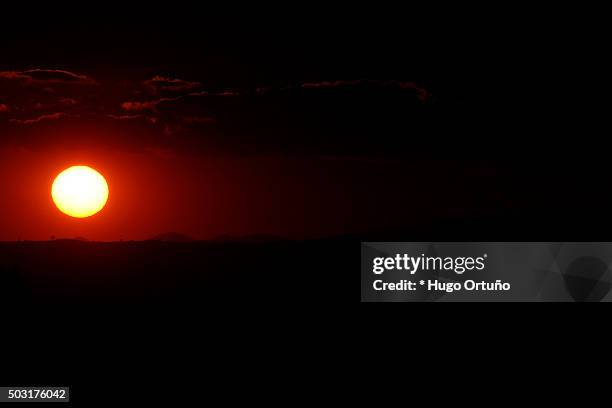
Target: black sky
{"x": 385, "y": 88}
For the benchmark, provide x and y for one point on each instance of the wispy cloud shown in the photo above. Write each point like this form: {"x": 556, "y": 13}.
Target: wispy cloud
{"x": 151, "y": 106}
{"x": 165, "y": 84}
{"x": 46, "y": 76}
{"x": 149, "y": 119}
{"x": 329, "y": 84}
{"x": 49, "y": 117}
{"x": 170, "y": 103}
{"x": 68, "y": 101}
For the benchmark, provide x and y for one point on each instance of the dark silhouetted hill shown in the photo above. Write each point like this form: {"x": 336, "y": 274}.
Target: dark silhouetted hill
{"x": 248, "y": 238}
{"x": 81, "y": 239}
{"x": 243, "y": 270}
{"x": 194, "y": 271}
{"x": 172, "y": 237}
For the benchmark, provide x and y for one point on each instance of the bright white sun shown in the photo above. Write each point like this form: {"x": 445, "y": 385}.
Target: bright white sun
{"x": 79, "y": 191}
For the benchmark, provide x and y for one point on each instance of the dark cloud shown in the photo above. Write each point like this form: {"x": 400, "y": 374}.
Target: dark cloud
{"x": 222, "y": 93}
{"x": 320, "y": 117}
{"x": 46, "y": 76}
{"x": 423, "y": 94}
{"x": 52, "y": 104}
{"x": 126, "y": 117}
{"x": 149, "y": 119}
{"x": 159, "y": 84}
{"x": 329, "y": 84}
{"x": 140, "y": 106}
{"x": 51, "y": 116}
{"x": 152, "y": 105}
{"x": 68, "y": 101}
{"x": 146, "y": 106}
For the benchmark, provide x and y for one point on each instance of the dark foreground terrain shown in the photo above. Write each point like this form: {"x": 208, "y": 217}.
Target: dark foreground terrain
{"x": 167, "y": 321}
{"x": 160, "y": 272}
{"x": 115, "y": 321}
{"x": 270, "y": 271}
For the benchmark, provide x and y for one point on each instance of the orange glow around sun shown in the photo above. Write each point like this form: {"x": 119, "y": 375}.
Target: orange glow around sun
{"x": 79, "y": 191}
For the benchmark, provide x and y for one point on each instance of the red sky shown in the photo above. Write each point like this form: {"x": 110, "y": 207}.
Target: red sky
{"x": 207, "y": 135}
{"x": 154, "y": 191}
{"x": 151, "y": 192}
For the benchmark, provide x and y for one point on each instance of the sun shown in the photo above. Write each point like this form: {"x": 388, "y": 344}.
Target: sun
{"x": 79, "y": 191}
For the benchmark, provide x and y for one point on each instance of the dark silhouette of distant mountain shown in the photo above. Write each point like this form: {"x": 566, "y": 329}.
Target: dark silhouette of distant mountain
{"x": 171, "y": 237}
{"x": 254, "y": 238}
{"x": 248, "y": 238}
{"x": 82, "y": 239}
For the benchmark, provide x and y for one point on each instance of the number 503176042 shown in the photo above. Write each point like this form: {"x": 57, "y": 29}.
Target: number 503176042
{"x": 37, "y": 393}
